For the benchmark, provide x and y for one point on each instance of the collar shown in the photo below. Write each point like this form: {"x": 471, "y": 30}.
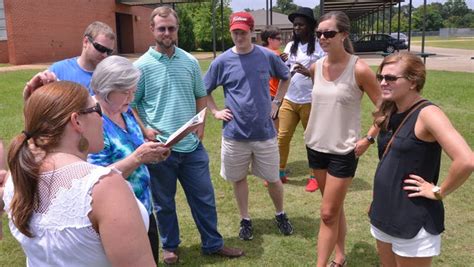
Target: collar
{"x": 160, "y": 56}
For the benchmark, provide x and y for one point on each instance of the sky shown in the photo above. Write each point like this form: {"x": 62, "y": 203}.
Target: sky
{"x": 239, "y": 5}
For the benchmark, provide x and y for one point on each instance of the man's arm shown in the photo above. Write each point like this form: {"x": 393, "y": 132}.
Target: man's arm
{"x": 149, "y": 133}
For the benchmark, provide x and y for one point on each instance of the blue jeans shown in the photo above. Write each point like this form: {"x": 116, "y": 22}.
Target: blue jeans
{"x": 192, "y": 171}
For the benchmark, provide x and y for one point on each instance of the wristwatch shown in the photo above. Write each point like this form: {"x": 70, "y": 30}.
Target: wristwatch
{"x": 370, "y": 138}
{"x": 437, "y": 192}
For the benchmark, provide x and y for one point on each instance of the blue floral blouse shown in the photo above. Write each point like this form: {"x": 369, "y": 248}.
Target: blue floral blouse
{"x": 118, "y": 144}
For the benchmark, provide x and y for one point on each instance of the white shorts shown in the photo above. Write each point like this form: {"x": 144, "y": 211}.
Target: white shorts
{"x": 261, "y": 157}
{"x": 423, "y": 244}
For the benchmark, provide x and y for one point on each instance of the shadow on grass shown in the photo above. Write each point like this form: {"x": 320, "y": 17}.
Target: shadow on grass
{"x": 305, "y": 228}
{"x": 359, "y": 184}
{"x": 363, "y": 254}
{"x": 300, "y": 168}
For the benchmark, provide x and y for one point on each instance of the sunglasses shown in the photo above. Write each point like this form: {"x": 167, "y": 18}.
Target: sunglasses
{"x": 388, "y": 77}
{"x": 276, "y": 38}
{"x": 99, "y": 47}
{"x": 327, "y": 34}
{"x": 163, "y": 29}
{"x": 93, "y": 109}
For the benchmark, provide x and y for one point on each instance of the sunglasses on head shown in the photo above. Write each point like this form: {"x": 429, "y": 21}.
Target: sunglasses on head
{"x": 99, "y": 47}
{"x": 326, "y": 34}
{"x": 388, "y": 77}
{"x": 170, "y": 29}
{"x": 93, "y": 109}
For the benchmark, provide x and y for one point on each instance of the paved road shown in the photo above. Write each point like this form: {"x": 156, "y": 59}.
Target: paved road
{"x": 445, "y": 59}
{"x": 449, "y": 59}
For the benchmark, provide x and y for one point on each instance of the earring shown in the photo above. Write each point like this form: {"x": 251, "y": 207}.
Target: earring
{"x": 83, "y": 144}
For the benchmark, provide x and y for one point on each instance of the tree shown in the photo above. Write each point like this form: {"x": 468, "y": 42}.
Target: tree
{"x": 186, "y": 38}
{"x": 202, "y": 21}
{"x": 285, "y": 7}
{"x": 455, "y": 8}
{"x": 433, "y": 20}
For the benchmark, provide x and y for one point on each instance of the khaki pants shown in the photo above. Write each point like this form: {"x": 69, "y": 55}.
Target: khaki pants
{"x": 290, "y": 114}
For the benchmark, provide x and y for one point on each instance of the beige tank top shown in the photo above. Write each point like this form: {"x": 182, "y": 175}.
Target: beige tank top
{"x": 334, "y": 121}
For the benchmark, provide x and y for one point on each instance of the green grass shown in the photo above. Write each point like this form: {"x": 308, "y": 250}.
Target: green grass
{"x": 452, "y": 91}
{"x": 453, "y": 42}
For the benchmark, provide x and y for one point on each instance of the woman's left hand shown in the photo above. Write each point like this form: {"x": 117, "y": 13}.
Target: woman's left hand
{"x": 418, "y": 187}
{"x": 361, "y": 146}
{"x": 301, "y": 69}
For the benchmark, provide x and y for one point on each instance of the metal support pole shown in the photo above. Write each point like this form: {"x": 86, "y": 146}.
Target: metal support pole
{"x": 378, "y": 16}
{"x": 423, "y": 32}
{"x": 383, "y": 18}
{"x": 399, "y": 15}
{"x": 390, "y": 19}
{"x": 409, "y": 26}
{"x": 271, "y": 12}
{"x": 222, "y": 25}
{"x": 214, "y": 27}
{"x": 266, "y": 12}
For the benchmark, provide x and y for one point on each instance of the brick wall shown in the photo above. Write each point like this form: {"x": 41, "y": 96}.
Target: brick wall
{"x": 3, "y": 52}
{"x": 142, "y": 37}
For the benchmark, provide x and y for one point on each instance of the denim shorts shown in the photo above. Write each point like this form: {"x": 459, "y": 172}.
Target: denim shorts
{"x": 341, "y": 166}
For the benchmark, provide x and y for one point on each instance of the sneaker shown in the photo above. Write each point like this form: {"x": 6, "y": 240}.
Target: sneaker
{"x": 312, "y": 185}
{"x": 283, "y": 176}
{"x": 284, "y": 224}
{"x": 246, "y": 232}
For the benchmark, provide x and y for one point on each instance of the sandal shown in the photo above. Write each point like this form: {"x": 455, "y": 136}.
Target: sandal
{"x": 335, "y": 264}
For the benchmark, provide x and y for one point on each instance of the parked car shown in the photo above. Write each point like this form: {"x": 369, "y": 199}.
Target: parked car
{"x": 378, "y": 42}
{"x": 403, "y": 37}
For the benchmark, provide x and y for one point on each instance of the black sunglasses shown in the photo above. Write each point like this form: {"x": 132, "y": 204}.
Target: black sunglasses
{"x": 95, "y": 108}
{"x": 163, "y": 29}
{"x": 327, "y": 35}
{"x": 388, "y": 77}
{"x": 99, "y": 47}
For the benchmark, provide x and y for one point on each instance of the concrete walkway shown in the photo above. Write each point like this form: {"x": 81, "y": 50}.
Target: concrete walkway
{"x": 448, "y": 59}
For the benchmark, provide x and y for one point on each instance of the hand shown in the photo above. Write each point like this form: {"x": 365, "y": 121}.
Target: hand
{"x": 151, "y": 152}
{"x": 284, "y": 56}
{"x": 275, "y": 109}
{"x": 418, "y": 187}
{"x": 361, "y": 146}
{"x": 40, "y": 79}
{"x": 200, "y": 131}
{"x": 225, "y": 115}
{"x": 301, "y": 69}
{"x": 150, "y": 134}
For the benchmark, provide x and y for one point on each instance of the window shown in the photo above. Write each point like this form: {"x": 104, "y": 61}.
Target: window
{"x": 3, "y": 29}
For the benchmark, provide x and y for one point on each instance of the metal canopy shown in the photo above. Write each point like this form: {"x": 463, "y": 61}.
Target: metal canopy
{"x": 356, "y": 9}
{"x": 157, "y": 2}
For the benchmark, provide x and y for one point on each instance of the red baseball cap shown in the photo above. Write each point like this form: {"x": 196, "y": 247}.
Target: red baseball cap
{"x": 241, "y": 21}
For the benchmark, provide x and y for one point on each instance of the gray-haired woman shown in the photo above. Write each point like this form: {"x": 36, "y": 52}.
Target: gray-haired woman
{"x": 114, "y": 83}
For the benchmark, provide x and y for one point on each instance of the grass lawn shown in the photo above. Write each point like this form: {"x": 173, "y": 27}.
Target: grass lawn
{"x": 452, "y": 91}
{"x": 454, "y": 42}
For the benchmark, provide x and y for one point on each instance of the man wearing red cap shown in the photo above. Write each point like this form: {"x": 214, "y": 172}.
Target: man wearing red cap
{"x": 249, "y": 137}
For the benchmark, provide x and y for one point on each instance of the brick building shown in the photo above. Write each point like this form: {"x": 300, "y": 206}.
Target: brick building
{"x": 34, "y": 31}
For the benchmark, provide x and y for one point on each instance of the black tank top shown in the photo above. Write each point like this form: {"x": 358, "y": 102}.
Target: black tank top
{"x": 392, "y": 211}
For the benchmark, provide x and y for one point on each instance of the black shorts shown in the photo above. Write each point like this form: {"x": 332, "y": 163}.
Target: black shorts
{"x": 341, "y": 166}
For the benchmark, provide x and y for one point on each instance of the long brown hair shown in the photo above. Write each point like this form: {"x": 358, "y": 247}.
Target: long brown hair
{"x": 343, "y": 24}
{"x": 413, "y": 70}
{"x": 46, "y": 113}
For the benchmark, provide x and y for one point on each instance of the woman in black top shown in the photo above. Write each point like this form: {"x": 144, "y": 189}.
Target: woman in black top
{"x": 407, "y": 215}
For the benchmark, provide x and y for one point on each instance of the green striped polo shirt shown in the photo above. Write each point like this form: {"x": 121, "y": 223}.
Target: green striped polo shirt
{"x": 167, "y": 92}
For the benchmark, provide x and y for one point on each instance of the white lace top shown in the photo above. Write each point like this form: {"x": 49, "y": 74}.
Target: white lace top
{"x": 62, "y": 232}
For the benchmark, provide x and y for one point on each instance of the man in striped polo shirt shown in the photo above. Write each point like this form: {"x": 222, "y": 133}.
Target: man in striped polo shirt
{"x": 169, "y": 93}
